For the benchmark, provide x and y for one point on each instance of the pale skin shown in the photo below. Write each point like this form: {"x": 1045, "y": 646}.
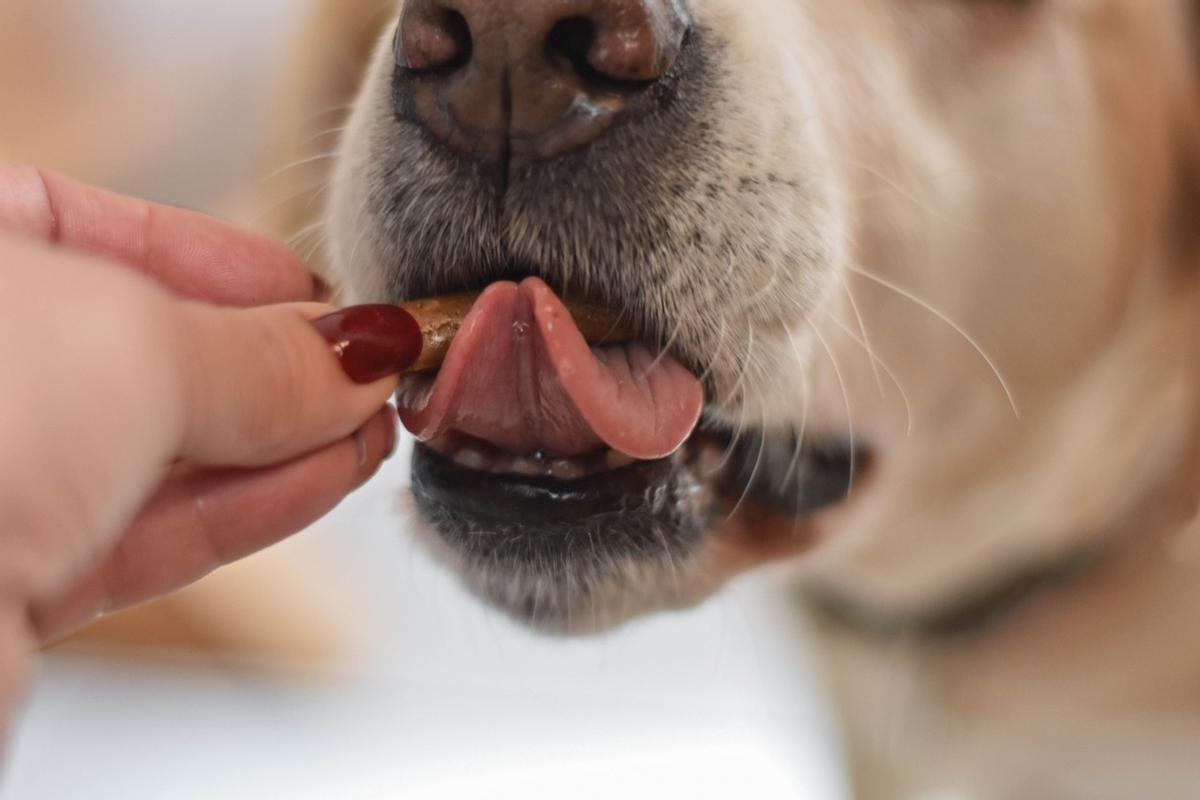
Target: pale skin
{"x": 166, "y": 407}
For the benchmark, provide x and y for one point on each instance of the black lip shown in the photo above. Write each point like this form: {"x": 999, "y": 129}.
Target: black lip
{"x": 667, "y": 500}
{"x": 510, "y": 519}
{"x": 537, "y": 547}
{"x": 518, "y": 499}
{"x": 788, "y": 475}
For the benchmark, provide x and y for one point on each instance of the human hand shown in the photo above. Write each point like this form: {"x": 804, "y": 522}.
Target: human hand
{"x": 161, "y": 414}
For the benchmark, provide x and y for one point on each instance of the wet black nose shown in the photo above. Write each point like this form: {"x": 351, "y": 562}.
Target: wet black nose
{"x": 530, "y": 79}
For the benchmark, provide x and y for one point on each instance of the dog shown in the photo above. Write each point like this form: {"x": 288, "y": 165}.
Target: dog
{"x": 932, "y": 265}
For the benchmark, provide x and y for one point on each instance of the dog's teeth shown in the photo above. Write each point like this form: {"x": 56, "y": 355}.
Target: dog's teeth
{"x": 479, "y": 458}
{"x": 614, "y": 460}
{"x": 566, "y": 470}
{"x": 470, "y": 459}
{"x": 526, "y": 467}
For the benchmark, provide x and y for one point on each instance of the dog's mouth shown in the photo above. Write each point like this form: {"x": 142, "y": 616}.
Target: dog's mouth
{"x": 574, "y": 465}
{"x": 527, "y": 423}
{"x": 521, "y": 378}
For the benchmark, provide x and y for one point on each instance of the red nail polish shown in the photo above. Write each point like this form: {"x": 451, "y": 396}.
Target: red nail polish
{"x": 372, "y": 342}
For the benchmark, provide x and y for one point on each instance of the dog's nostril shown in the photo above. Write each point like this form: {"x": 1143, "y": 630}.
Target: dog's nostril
{"x": 573, "y": 44}
{"x": 432, "y": 38}
{"x": 531, "y": 80}
{"x": 570, "y": 42}
{"x": 614, "y": 46}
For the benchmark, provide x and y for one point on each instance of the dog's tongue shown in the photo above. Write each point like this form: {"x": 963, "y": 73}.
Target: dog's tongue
{"x": 521, "y": 376}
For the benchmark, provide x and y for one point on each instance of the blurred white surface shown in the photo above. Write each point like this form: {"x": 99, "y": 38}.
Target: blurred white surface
{"x": 449, "y": 700}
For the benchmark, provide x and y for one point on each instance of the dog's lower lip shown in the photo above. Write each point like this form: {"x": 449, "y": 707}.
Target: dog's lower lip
{"x": 479, "y": 456}
{"x": 522, "y": 499}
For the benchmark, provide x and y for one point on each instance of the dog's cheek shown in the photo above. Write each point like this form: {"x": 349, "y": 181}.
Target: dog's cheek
{"x": 770, "y": 231}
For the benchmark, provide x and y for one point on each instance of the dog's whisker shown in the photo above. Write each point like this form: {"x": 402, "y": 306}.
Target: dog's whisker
{"x": 316, "y": 189}
{"x": 757, "y": 297}
{"x": 798, "y": 450}
{"x": 901, "y": 186}
{"x": 665, "y": 347}
{"x": 714, "y": 359}
{"x": 762, "y": 447}
{"x": 908, "y": 411}
{"x": 335, "y": 131}
{"x": 303, "y": 162}
{"x": 908, "y": 295}
{"x": 320, "y": 244}
{"x": 304, "y": 233}
{"x": 315, "y": 194}
{"x": 747, "y": 361}
{"x": 339, "y": 108}
{"x": 837, "y": 370}
{"x": 729, "y": 449}
{"x": 866, "y": 341}
{"x": 740, "y": 426}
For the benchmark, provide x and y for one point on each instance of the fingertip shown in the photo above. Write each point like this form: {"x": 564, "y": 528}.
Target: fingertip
{"x": 376, "y": 442}
{"x": 25, "y": 202}
{"x": 393, "y": 419}
{"x": 263, "y": 386}
{"x": 372, "y": 342}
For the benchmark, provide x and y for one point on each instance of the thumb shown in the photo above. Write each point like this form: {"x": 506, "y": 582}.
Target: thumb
{"x": 264, "y": 385}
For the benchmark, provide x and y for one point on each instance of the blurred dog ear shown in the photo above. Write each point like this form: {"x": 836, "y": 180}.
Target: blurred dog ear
{"x": 1187, "y": 123}
{"x": 320, "y": 78}
{"x": 1191, "y": 18}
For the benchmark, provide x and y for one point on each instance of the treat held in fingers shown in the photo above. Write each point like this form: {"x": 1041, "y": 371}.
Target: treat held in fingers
{"x": 441, "y": 318}
{"x": 525, "y": 374}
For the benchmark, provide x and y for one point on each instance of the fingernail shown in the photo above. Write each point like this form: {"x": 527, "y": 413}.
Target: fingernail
{"x": 393, "y": 433}
{"x": 372, "y": 342}
{"x": 360, "y": 444}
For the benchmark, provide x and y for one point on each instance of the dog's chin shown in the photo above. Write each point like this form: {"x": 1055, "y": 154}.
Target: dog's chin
{"x": 568, "y": 555}
{"x": 588, "y": 551}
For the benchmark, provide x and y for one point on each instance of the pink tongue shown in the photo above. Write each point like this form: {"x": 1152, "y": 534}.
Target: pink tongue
{"x": 520, "y": 376}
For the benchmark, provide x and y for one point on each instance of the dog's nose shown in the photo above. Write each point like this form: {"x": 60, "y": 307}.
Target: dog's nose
{"x": 530, "y": 79}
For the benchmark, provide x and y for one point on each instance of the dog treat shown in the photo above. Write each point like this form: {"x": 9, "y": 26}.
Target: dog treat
{"x": 440, "y": 319}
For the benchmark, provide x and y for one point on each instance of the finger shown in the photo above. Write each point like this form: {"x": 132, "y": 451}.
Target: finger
{"x": 17, "y": 650}
{"x": 194, "y": 255}
{"x": 205, "y": 521}
{"x": 261, "y": 386}
{"x": 114, "y": 379}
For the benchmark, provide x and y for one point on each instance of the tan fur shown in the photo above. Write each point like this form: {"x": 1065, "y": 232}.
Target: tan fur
{"x": 1001, "y": 301}
{"x": 317, "y": 90}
